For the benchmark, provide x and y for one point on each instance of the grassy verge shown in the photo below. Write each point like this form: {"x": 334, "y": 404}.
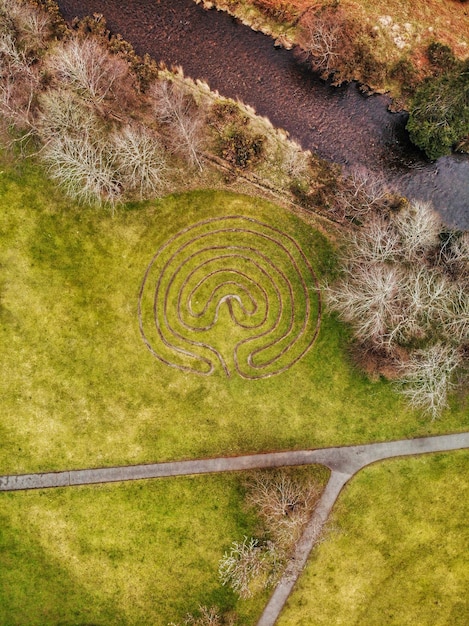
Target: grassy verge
{"x": 80, "y": 389}
{"x": 396, "y": 552}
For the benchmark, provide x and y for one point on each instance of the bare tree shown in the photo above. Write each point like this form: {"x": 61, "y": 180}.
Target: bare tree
{"x": 295, "y": 161}
{"x": 140, "y": 160}
{"x": 30, "y": 25}
{"x": 363, "y": 193}
{"x": 320, "y": 38}
{"x": 63, "y": 113}
{"x": 83, "y": 168}
{"x": 369, "y": 297}
{"x": 457, "y": 257}
{"x": 88, "y": 68}
{"x": 248, "y": 566}
{"x": 177, "y": 109}
{"x": 455, "y": 317}
{"x": 427, "y": 377}
{"x": 18, "y": 84}
{"x": 425, "y": 296}
{"x": 378, "y": 241}
{"x": 332, "y": 41}
{"x": 419, "y": 228}
{"x": 284, "y": 501}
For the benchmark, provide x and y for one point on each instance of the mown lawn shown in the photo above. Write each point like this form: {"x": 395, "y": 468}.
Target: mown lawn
{"x": 130, "y": 553}
{"x": 136, "y": 553}
{"x": 396, "y": 550}
{"x": 78, "y": 386}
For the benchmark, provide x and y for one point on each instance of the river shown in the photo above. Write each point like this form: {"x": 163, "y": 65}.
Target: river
{"x": 338, "y": 123}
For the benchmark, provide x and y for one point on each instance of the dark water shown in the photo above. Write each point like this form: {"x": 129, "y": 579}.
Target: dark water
{"x": 340, "y": 124}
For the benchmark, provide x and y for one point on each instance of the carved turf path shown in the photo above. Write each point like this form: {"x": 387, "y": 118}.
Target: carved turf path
{"x": 343, "y": 462}
{"x": 258, "y": 271}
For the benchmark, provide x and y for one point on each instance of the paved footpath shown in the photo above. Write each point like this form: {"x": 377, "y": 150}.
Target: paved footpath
{"x": 343, "y": 462}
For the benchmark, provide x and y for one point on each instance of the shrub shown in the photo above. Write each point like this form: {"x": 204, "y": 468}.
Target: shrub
{"x": 441, "y": 57}
{"x": 248, "y": 566}
{"x": 240, "y": 147}
{"x": 405, "y": 73}
{"x": 279, "y": 10}
{"x": 236, "y": 141}
{"x": 439, "y": 112}
{"x": 208, "y": 616}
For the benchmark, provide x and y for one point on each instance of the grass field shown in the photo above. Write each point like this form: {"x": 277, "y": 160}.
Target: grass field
{"x": 135, "y": 553}
{"x": 79, "y": 388}
{"x": 396, "y": 551}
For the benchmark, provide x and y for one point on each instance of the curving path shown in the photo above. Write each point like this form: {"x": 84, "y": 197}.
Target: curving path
{"x": 229, "y": 259}
{"x": 344, "y": 462}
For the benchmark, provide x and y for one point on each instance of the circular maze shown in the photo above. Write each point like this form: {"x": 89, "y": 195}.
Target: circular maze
{"x": 230, "y": 293}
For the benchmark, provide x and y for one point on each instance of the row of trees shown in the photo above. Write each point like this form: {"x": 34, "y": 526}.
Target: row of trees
{"x": 284, "y": 501}
{"x": 73, "y": 96}
{"x": 110, "y": 126}
{"x": 404, "y": 288}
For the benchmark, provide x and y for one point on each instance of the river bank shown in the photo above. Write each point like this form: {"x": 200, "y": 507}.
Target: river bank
{"x": 340, "y": 124}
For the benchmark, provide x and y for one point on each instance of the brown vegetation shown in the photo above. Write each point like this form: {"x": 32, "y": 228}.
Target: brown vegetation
{"x": 380, "y": 44}
{"x": 284, "y": 499}
{"x": 404, "y": 290}
{"x": 112, "y": 126}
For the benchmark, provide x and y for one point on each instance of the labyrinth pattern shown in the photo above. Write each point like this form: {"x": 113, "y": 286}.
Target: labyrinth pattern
{"x": 230, "y": 293}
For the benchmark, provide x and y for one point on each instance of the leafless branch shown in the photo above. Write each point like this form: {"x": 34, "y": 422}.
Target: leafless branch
{"x": 419, "y": 228}
{"x": 177, "y": 110}
{"x": 247, "y": 565}
{"x": 285, "y": 503}
{"x": 87, "y": 67}
{"x": 83, "y": 168}
{"x": 140, "y": 160}
{"x": 427, "y": 377}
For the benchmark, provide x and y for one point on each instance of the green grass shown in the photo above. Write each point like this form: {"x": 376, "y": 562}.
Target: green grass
{"x": 396, "y": 552}
{"x": 78, "y": 386}
{"x": 133, "y": 553}
{"x": 136, "y": 553}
